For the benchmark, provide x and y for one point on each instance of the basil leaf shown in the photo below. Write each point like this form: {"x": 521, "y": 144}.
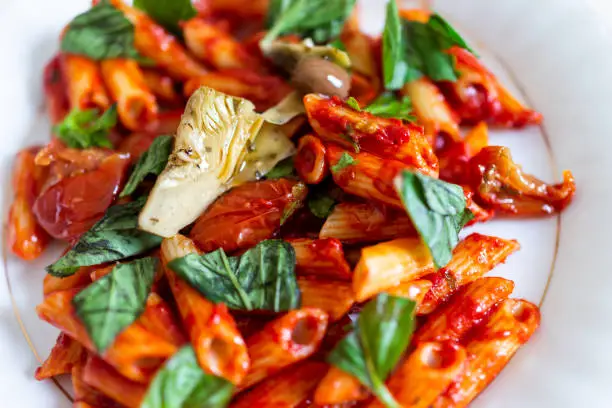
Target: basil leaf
{"x": 320, "y": 20}
{"x": 437, "y": 210}
{"x": 181, "y": 383}
{"x": 283, "y": 169}
{"x": 263, "y": 278}
{"x": 153, "y": 161}
{"x": 380, "y": 336}
{"x": 168, "y": 13}
{"x": 338, "y": 44}
{"x": 112, "y": 303}
{"x": 395, "y": 64}
{"x": 345, "y": 161}
{"x": 321, "y": 205}
{"x": 83, "y": 129}
{"x": 116, "y": 236}
{"x": 352, "y": 102}
{"x": 102, "y": 32}
{"x": 388, "y": 106}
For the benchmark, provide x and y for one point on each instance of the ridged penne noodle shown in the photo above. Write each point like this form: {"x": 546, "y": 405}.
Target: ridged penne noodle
{"x": 159, "y": 319}
{"x": 339, "y": 387}
{"x": 136, "y": 353}
{"x": 284, "y": 341}
{"x": 432, "y": 109}
{"x": 368, "y": 176}
{"x": 216, "y": 340}
{"x": 161, "y": 85}
{"x": 386, "y": 265}
{"x": 334, "y": 121}
{"x": 63, "y": 357}
{"x": 465, "y": 310}
{"x": 414, "y": 290}
{"x": 54, "y": 86}
{"x": 79, "y": 279}
{"x": 215, "y": 46}
{"x": 152, "y": 41}
{"x": 101, "y": 272}
{"x": 102, "y": 377}
{"x": 333, "y": 297}
{"x": 425, "y": 374}
{"x": 264, "y": 91}
{"x": 490, "y": 349}
{"x": 321, "y": 258}
{"x": 309, "y": 161}
{"x": 86, "y": 396}
{"x": 362, "y": 89}
{"x": 419, "y": 15}
{"x": 287, "y": 389}
{"x": 361, "y": 50}
{"x": 84, "y": 83}
{"x": 366, "y": 222}
{"x": 473, "y": 257}
{"x": 136, "y": 104}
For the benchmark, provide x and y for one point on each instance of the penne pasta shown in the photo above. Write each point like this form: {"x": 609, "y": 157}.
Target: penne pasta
{"x": 473, "y": 257}
{"x": 284, "y": 341}
{"x": 159, "y": 319}
{"x": 217, "y": 343}
{"x": 309, "y": 161}
{"x": 102, "y": 377}
{"x": 136, "y": 104}
{"x": 254, "y": 8}
{"x": 287, "y": 389}
{"x": 84, "y": 83}
{"x": 339, "y": 387}
{"x": 320, "y": 257}
{"x": 86, "y": 396}
{"x": 490, "y": 349}
{"x": 386, "y": 265}
{"x": 465, "y": 310}
{"x": 162, "y": 86}
{"x": 79, "y": 279}
{"x": 66, "y": 354}
{"x": 366, "y": 222}
{"x": 333, "y": 297}
{"x": 54, "y": 86}
{"x": 415, "y": 290}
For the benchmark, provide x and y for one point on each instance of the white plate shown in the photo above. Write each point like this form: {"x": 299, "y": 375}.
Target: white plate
{"x": 556, "y": 54}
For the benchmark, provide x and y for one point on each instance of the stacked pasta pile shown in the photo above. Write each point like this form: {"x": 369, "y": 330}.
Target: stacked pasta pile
{"x": 289, "y": 236}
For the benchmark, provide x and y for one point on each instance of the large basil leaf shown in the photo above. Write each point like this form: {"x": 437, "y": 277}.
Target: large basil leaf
{"x": 380, "y": 335}
{"x": 263, "y": 278}
{"x": 153, "y": 161}
{"x": 181, "y": 383}
{"x": 437, "y": 210}
{"x": 110, "y": 304}
{"x": 83, "y": 129}
{"x": 321, "y": 20}
{"x": 116, "y": 236}
{"x": 168, "y": 13}
{"x": 387, "y": 105}
{"x": 102, "y": 32}
{"x": 394, "y": 63}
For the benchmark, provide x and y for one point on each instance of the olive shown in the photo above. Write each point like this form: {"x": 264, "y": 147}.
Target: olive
{"x": 317, "y": 75}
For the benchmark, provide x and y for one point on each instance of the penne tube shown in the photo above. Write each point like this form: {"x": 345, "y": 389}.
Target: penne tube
{"x": 86, "y": 396}
{"x": 336, "y": 122}
{"x": 84, "y": 83}
{"x": 98, "y": 273}
{"x": 425, "y": 374}
{"x": 136, "y": 105}
{"x": 216, "y": 340}
{"x": 66, "y": 354}
{"x": 419, "y": 15}
{"x": 309, "y": 161}
{"x": 414, "y": 290}
{"x": 286, "y": 340}
{"x": 54, "y": 86}
{"x": 465, "y": 310}
{"x": 360, "y": 49}
{"x": 368, "y": 176}
{"x": 136, "y": 353}
{"x": 333, "y": 297}
{"x": 288, "y": 389}
{"x": 152, "y": 41}
{"x": 79, "y": 279}
{"x": 25, "y": 237}
{"x": 254, "y": 8}
{"x": 432, "y": 110}
{"x": 490, "y": 349}
{"x": 472, "y": 258}
{"x": 159, "y": 319}
{"x": 365, "y": 222}
{"x": 161, "y": 85}
{"x": 339, "y": 387}
{"x": 102, "y": 377}
{"x": 362, "y": 89}
{"x": 321, "y": 258}
{"x": 386, "y": 265}
{"x": 215, "y": 46}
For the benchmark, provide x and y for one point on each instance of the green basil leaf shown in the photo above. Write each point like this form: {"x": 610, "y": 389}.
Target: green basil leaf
{"x": 181, "y": 383}
{"x": 116, "y": 236}
{"x": 338, "y": 44}
{"x": 112, "y": 303}
{"x": 395, "y": 64}
{"x": 381, "y": 334}
{"x": 283, "y": 169}
{"x": 320, "y": 20}
{"x": 102, "y": 32}
{"x": 168, "y": 13}
{"x": 345, "y": 161}
{"x": 352, "y": 102}
{"x": 437, "y": 210}
{"x": 263, "y": 278}
{"x": 321, "y": 205}
{"x": 153, "y": 161}
{"x": 449, "y": 37}
{"x": 388, "y": 106}
{"x": 83, "y": 129}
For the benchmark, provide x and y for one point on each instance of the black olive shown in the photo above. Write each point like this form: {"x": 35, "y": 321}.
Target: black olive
{"x": 316, "y": 75}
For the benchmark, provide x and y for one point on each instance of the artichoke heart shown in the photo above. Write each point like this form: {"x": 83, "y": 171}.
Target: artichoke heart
{"x": 212, "y": 141}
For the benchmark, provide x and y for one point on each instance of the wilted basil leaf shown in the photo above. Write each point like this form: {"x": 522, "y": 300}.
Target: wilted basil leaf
{"x": 345, "y": 161}
{"x": 153, "y": 161}
{"x": 388, "y": 105}
{"x": 283, "y": 169}
{"x": 168, "y": 13}
{"x": 321, "y": 205}
{"x": 83, "y": 129}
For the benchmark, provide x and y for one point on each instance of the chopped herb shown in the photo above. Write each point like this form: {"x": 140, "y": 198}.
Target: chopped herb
{"x": 168, "y": 13}
{"x": 84, "y": 129}
{"x": 388, "y": 105}
{"x": 345, "y": 161}
{"x": 352, "y": 102}
{"x": 283, "y": 169}
{"x": 153, "y": 162}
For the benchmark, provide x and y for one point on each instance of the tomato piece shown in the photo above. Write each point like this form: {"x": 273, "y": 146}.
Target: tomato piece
{"x": 247, "y": 214}
{"x": 72, "y": 205}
